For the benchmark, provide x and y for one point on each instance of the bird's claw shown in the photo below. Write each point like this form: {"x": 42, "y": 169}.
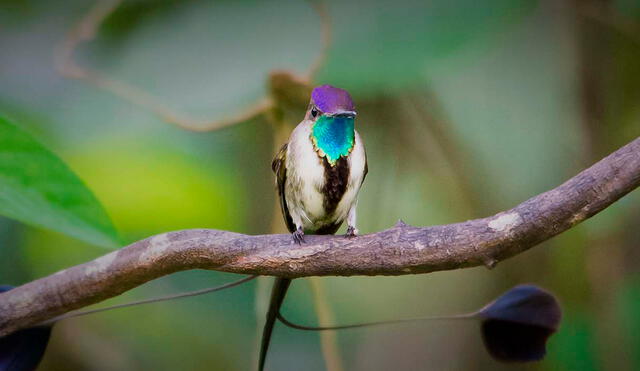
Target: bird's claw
{"x": 351, "y": 232}
{"x": 298, "y": 236}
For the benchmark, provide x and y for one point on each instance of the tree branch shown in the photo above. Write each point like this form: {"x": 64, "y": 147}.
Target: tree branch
{"x": 399, "y": 250}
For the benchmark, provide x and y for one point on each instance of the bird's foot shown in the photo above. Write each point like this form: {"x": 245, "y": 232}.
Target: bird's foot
{"x": 298, "y": 236}
{"x": 351, "y": 232}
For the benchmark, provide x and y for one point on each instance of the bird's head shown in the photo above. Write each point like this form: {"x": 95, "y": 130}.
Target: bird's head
{"x": 329, "y": 101}
{"x": 332, "y": 113}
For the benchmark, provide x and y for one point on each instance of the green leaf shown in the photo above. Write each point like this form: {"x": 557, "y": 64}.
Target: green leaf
{"x": 38, "y": 188}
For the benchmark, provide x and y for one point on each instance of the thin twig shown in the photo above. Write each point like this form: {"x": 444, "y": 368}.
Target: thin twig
{"x": 153, "y": 300}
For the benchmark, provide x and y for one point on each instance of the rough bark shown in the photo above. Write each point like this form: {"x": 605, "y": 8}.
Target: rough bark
{"x": 402, "y": 249}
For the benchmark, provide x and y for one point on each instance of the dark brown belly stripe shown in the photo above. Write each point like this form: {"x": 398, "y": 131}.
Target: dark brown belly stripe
{"x": 336, "y": 179}
{"x": 329, "y": 229}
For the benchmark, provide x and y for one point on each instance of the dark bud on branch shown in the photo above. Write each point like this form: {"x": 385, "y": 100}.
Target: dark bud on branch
{"x": 517, "y": 325}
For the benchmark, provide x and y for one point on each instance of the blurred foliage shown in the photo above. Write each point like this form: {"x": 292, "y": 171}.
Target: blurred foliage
{"x": 37, "y": 188}
{"x": 466, "y": 108}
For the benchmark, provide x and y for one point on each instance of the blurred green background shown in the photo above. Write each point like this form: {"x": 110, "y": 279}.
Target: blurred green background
{"x": 466, "y": 107}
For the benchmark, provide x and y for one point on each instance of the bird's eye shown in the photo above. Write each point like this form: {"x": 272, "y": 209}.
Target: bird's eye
{"x": 314, "y": 112}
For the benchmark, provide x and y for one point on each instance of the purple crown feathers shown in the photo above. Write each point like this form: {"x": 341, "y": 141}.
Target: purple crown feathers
{"x": 331, "y": 100}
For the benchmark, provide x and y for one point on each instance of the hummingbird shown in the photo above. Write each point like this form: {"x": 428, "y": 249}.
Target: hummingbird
{"x": 318, "y": 173}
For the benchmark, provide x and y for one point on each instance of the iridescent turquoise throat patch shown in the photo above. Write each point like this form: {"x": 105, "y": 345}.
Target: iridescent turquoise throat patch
{"x": 334, "y": 136}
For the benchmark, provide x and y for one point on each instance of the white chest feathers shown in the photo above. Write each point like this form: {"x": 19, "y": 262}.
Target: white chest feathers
{"x": 319, "y": 195}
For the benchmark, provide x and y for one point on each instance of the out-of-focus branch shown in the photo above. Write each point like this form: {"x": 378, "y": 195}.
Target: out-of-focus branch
{"x": 429, "y": 116}
{"x": 86, "y": 30}
{"x": 399, "y": 250}
{"x": 600, "y": 13}
{"x": 325, "y": 38}
{"x": 329, "y": 342}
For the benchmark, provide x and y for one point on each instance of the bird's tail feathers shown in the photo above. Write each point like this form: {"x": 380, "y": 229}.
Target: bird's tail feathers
{"x": 278, "y": 293}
